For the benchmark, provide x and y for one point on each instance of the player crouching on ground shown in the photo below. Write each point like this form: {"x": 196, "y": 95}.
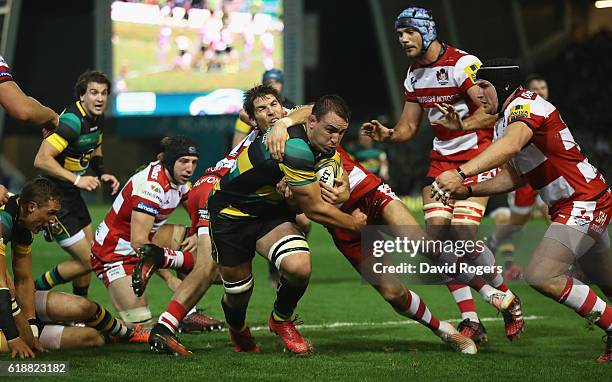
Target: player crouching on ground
{"x": 20, "y": 217}
{"x": 136, "y": 219}
{"x": 536, "y": 147}
{"x": 55, "y": 309}
{"x": 248, "y": 215}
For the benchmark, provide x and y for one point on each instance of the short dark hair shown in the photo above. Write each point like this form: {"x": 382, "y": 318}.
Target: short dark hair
{"x": 253, "y": 93}
{"x": 533, "y": 77}
{"x": 90, "y": 76}
{"x": 331, "y": 103}
{"x": 40, "y": 190}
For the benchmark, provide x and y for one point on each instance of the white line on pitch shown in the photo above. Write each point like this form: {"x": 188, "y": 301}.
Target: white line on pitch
{"x": 383, "y": 323}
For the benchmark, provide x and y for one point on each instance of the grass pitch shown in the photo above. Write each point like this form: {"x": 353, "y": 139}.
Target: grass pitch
{"x": 356, "y": 335}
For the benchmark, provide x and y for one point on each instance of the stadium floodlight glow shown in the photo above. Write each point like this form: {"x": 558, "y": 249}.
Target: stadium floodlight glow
{"x": 603, "y": 4}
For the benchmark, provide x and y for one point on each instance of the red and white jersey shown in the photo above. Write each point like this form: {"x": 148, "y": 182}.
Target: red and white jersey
{"x": 361, "y": 181}
{"x": 148, "y": 191}
{"x": 447, "y": 81}
{"x": 5, "y": 72}
{"x": 552, "y": 162}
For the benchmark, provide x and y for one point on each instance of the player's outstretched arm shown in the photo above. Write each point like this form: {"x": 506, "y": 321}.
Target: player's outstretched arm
{"x": 453, "y": 121}
{"x": 517, "y": 135}
{"x": 505, "y": 181}
{"x": 498, "y": 154}
{"x": 24, "y": 281}
{"x": 308, "y": 197}
{"x": 24, "y": 108}
{"x": 404, "y": 130}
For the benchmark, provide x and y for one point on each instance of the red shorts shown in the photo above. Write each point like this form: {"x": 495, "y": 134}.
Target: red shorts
{"x": 114, "y": 258}
{"x": 109, "y": 272}
{"x": 592, "y": 217}
{"x": 522, "y": 199}
{"x": 372, "y": 204}
{"x": 438, "y": 167}
{"x": 197, "y": 202}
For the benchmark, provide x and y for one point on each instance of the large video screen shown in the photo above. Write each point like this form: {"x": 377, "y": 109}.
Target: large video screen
{"x": 192, "y": 57}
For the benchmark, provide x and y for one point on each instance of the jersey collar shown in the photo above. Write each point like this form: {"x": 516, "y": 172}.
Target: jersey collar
{"x": 83, "y": 112}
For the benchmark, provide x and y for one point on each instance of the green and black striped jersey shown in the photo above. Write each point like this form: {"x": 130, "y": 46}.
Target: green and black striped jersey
{"x": 248, "y": 190}
{"x": 11, "y": 230}
{"x": 76, "y": 137}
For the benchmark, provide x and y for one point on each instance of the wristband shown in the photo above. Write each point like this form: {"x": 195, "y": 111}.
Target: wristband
{"x": 97, "y": 165}
{"x": 76, "y": 181}
{"x": 461, "y": 173}
{"x": 36, "y": 326}
{"x": 7, "y": 324}
{"x": 15, "y": 307}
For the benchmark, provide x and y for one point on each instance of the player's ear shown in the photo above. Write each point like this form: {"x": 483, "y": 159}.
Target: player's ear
{"x": 31, "y": 206}
{"x": 312, "y": 120}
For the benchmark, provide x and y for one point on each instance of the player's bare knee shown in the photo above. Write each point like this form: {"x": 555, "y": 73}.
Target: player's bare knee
{"x": 297, "y": 267}
{"x": 538, "y": 276}
{"x": 86, "y": 307}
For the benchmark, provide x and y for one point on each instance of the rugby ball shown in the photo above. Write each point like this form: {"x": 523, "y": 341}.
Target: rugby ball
{"x": 328, "y": 170}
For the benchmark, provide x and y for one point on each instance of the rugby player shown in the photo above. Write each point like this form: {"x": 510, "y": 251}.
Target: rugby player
{"x": 137, "y": 218}
{"x": 55, "y": 309}
{"x": 521, "y": 202}
{"x": 536, "y": 147}
{"x": 22, "y": 108}
{"x": 64, "y": 158}
{"x": 442, "y": 73}
{"x": 163, "y": 335}
{"x": 376, "y": 199}
{"x": 274, "y": 78}
{"x": 20, "y": 217}
{"x": 247, "y": 214}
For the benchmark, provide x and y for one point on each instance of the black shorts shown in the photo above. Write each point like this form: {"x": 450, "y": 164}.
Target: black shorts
{"x": 233, "y": 241}
{"x": 74, "y": 215}
{"x": 495, "y": 202}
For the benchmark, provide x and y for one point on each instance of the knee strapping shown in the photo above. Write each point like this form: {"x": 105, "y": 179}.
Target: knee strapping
{"x": 239, "y": 287}
{"x": 286, "y": 246}
{"x": 69, "y": 241}
{"x": 140, "y": 315}
{"x": 466, "y": 212}
{"x": 40, "y": 303}
{"x": 437, "y": 210}
{"x": 51, "y": 337}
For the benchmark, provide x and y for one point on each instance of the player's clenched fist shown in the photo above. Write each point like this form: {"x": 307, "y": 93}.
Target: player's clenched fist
{"x": 360, "y": 218}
